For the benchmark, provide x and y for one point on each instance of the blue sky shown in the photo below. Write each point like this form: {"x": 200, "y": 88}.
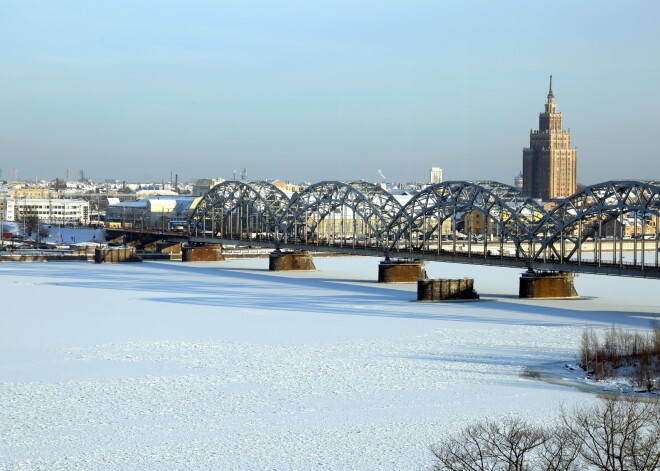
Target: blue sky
{"x": 304, "y": 90}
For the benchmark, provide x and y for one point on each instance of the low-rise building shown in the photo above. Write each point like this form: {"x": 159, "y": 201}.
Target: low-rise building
{"x": 163, "y": 213}
{"x": 47, "y": 211}
{"x": 31, "y": 193}
{"x": 474, "y": 222}
{"x": 630, "y": 225}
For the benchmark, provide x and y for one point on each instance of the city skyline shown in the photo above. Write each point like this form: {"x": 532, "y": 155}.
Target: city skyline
{"x": 314, "y": 92}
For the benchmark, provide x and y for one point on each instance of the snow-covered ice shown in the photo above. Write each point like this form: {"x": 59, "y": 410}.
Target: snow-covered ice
{"x": 226, "y": 366}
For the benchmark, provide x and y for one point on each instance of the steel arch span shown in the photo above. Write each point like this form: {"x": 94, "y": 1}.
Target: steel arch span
{"x": 612, "y": 224}
{"x": 598, "y": 219}
{"x": 340, "y": 212}
{"x": 513, "y": 215}
{"x": 241, "y": 210}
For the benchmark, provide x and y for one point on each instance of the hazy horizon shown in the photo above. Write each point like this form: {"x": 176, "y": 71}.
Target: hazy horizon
{"x": 307, "y": 92}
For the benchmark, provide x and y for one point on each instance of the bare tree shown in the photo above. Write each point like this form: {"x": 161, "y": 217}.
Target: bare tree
{"x": 513, "y": 441}
{"x": 43, "y": 232}
{"x": 491, "y": 446}
{"x": 30, "y": 223}
{"x": 655, "y": 325}
{"x": 560, "y": 452}
{"x": 617, "y": 435}
{"x": 609, "y": 436}
{"x": 467, "y": 451}
{"x": 587, "y": 348}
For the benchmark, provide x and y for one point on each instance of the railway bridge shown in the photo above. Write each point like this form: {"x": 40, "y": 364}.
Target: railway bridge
{"x": 608, "y": 228}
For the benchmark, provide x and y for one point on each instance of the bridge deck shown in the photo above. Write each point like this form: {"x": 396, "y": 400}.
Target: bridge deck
{"x": 479, "y": 258}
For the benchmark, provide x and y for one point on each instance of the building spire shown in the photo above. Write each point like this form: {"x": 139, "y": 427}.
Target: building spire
{"x": 551, "y": 96}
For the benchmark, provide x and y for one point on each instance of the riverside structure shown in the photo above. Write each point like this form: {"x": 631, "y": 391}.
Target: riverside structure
{"x": 362, "y": 218}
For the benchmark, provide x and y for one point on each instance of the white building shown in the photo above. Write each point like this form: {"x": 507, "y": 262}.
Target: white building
{"x": 157, "y": 213}
{"x": 48, "y": 211}
{"x": 435, "y": 175}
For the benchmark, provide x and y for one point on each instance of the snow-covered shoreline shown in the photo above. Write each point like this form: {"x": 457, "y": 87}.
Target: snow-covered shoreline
{"x": 169, "y": 366}
{"x": 570, "y": 375}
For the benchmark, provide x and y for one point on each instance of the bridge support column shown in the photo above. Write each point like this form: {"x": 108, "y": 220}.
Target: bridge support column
{"x": 547, "y": 284}
{"x": 115, "y": 255}
{"x": 202, "y": 253}
{"x": 284, "y": 261}
{"x": 401, "y": 271}
{"x": 445, "y": 290}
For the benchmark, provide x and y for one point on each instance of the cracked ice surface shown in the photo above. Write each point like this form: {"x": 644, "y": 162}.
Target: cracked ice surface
{"x": 166, "y": 366}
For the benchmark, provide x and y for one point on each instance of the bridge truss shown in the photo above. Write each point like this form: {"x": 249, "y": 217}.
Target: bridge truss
{"x": 239, "y": 210}
{"x": 603, "y": 222}
{"x": 337, "y": 212}
{"x": 611, "y": 223}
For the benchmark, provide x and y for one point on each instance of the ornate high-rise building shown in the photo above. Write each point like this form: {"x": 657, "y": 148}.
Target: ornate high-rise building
{"x": 549, "y": 163}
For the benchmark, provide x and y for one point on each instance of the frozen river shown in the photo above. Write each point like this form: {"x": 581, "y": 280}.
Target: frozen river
{"x": 226, "y": 366}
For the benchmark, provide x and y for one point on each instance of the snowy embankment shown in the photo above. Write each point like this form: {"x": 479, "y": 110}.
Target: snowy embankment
{"x": 168, "y": 366}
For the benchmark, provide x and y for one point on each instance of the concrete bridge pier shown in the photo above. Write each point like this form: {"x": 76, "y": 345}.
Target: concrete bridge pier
{"x": 285, "y": 261}
{"x": 115, "y": 255}
{"x": 401, "y": 271}
{"x": 547, "y": 285}
{"x": 446, "y": 289}
{"x": 202, "y": 253}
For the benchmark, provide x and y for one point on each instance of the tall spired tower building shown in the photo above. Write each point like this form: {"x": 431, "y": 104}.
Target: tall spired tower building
{"x": 549, "y": 163}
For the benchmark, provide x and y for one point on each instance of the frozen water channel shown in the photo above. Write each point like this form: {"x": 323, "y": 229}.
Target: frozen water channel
{"x": 226, "y": 366}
